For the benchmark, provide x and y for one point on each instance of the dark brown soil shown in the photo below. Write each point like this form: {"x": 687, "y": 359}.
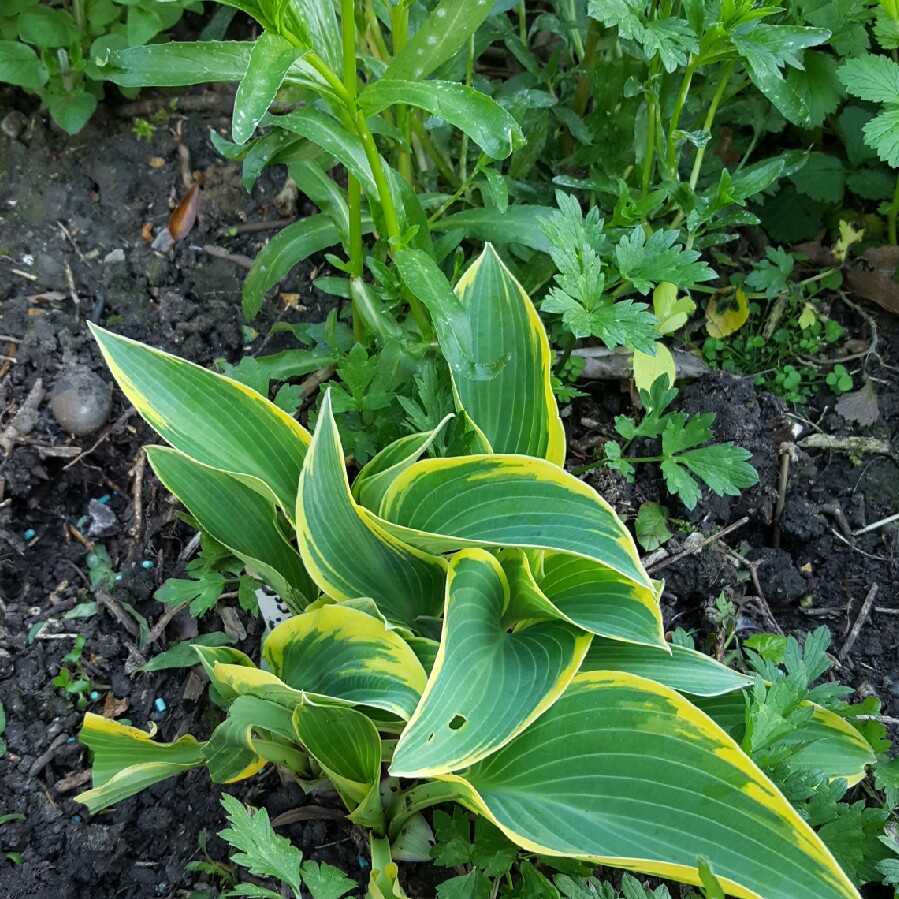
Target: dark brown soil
{"x": 70, "y": 205}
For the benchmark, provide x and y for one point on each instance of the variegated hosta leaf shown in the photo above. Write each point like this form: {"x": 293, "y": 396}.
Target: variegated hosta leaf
{"x": 834, "y": 747}
{"x": 346, "y": 551}
{"x": 487, "y": 684}
{"x": 587, "y": 594}
{"x": 377, "y": 475}
{"x": 626, "y": 772}
{"x": 347, "y": 746}
{"x": 516, "y": 410}
{"x": 440, "y": 505}
{"x": 239, "y": 517}
{"x": 682, "y": 669}
{"x": 343, "y": 653}
{"x": 256, "y": 731}
{"x": 128, "y": 760}
{"x": 209, "y": 417}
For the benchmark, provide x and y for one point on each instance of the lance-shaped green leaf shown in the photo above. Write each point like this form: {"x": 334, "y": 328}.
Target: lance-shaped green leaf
{"x": 516, "y": 410}
{"x": 177, "y": 64}
{"x": 289, "y": 247}
{"x": 348, "y": 748}
{"x": 346, "y": 551}
{"x": 449, "y": 316}
{"x": 341, "y": 652}
{"x": 240, "y": 518}
{"x": 440, "y": 505}
{"x": 208, "y": 417}
{"x": 625, "y": 772}
{"x": 517, "y": 224}
{"x": 128, "y": 760}
{"x": 445, "y": 31}
{"x": 332, "y": 137}
{"x": 589, "y": 595}
{"x": 377, "y": 475}
{"x": 682, "y": 669}
{"x": 270, "y": 60}
{"x": 458, "y": 720}
{"x": 830, "y": 745}
{"x": 473, "y": 113}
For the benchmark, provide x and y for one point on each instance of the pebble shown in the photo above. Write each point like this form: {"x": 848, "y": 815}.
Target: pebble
{"x": 146, "y": 564}
{"x": 103, "y": 521}
{"x": 30, "y": 534}
{"x": 81, "y": 401}
{"x": 159, "y": 704}
{"x": 93, "y": 695}
{"x": 13, "y": 124}
{"x": 114, "y": 257}
{"x": 118, "y": 578}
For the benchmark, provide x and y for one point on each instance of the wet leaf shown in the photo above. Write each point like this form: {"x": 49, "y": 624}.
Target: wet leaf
{"x": 859, "y": 406}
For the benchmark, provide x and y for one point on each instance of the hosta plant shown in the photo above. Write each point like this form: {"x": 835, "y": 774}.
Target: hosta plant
{"x": 473, "y": 628}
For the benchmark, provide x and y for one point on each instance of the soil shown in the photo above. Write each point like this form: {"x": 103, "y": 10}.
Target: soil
{"x": 74, "y": 221}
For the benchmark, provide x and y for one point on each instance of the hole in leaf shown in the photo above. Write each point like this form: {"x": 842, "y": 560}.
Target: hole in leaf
{"x": 458, "y": 722}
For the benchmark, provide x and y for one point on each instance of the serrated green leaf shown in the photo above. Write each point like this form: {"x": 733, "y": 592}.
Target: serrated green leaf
{"x": 325, "y": 881}
{"x": 882, "y": 133}
{"x": 260, "y": 850}
{"x": 872, "y": 78}
{"x": 646, "y": 262}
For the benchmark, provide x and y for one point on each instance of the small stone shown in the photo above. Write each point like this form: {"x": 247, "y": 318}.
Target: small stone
{"x": 159, "y": 704}
{"x": 93, "y": 695}
{"x": 81, "y": 401}
{"x": 30, "y": 534}
{"x": 146, "y": 564}
{"x": 104, "y": 500}
{"x": 103, "y": 520}
{"x": 115, "y": 257}
{"x": 13, "y": 124}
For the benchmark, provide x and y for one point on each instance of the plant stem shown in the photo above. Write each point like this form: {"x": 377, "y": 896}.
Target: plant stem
{"x": 463, "y": 152}
{"x": 523, "y": 23}
{"x": 399, "y": 27}
{"x": 582, "y": 90}
{"x": 675, "y": 116}
{"x": 892, "y": 212}
{"x": 589, "y": 467}
{"x": 575, "y": 34}
{"x": 374, "y": 26}
{"x": 709, "y": 120}
{"x": 434, "y": 153}
{"x": 423, "y": 796}
{"x": 652, "y": 111}
{"x": 462, "y": 188}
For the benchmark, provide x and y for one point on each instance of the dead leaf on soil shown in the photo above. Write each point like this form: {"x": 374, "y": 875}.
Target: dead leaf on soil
{"x": 726, "y": 314}
{"x": 874, "y": 277}
{"x": 114, "y": 707}
{"x": 859, "y": 406}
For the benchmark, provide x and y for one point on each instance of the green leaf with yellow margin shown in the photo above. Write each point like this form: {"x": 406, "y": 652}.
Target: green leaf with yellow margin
{"x": 343, "y": 653}
{"x": 346, "y": 551}
{"x": 625, "y": 772}
{"x": 458, "y": 721}
{"x": 379, "y": 473}
{"x": 347, "y": 746}
{"x": 128, "y": 760}
{"x": 244, "y": 520}
{"x": 440, "y": 505}
{"x": 209, "y": 417}
{"x": 516, "y": 410}
{"x": 590, "y": 596}
{"x": 255, "y": 732}
{"x": 682, "y": 669}
{"x": 601, "y": 600}
{"x": 834, "y": 748}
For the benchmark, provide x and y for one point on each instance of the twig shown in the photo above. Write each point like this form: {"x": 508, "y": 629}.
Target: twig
{"x": 854, "y": 548}
{"x": 312, "y": 382}
{"x": 162, "y": 624}
{"x": 25, "y": 420}
{"x": 138, "y": 493}
{"x": 121, "y": 420}
{"x": 44, "y": 758}
{"x": 851, "y": 446}
{"x": 695, "y": 549}
{"x": 236, "y": 258}
{"x": 883, "y": 719}
{"x": 876, "y": 525}
{"x": 859, "y": 621}
{"x": 73, "y": 291}
{"x": 886, "y": 611}
{"x": 254, "y": 227}
{"x": 112, "y": 607}
{"x": 72, "y": 782}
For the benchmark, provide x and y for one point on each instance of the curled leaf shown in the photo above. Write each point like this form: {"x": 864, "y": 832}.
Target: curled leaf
{"x": 184, "y": 215}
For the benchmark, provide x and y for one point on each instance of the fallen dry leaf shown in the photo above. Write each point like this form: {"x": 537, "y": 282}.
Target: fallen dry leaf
{"x": 157, "y": 162}
{"x": 874, "y": 277}
{"x": 726, "y": 314}
{"x": 859, "y": 406}
{"x": 114, "y": 707}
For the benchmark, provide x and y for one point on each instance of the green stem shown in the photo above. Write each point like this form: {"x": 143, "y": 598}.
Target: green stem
{"x": 582, "y": 91}
{"x": 462, "y": 188}
{"x": 652, "y": 112}
{"x": 374, "y": 26}
{"x": 523, "y": 23}
{"x": 892, "y": 212}
{"x": 377, "y": 171}
{"x": 463, "y": 152}
{"x": 434, "y": 153}
{"x": 399, "y": 27}
{"x": 675, "y": 116}
{"x": 412, "y": 801}
{"x": 354, "y": 189}
{"x": 575, "y": 34}
{"x": 709, "y": 121}
{"x": 585, "y": 468}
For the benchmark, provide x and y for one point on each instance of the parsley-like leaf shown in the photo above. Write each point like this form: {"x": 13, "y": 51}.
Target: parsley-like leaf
{"x": 647, "y": 261}
{"x": 473, "y": 885}
{"x": 325, "y": 881}
{"x": 260, "y": 850}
